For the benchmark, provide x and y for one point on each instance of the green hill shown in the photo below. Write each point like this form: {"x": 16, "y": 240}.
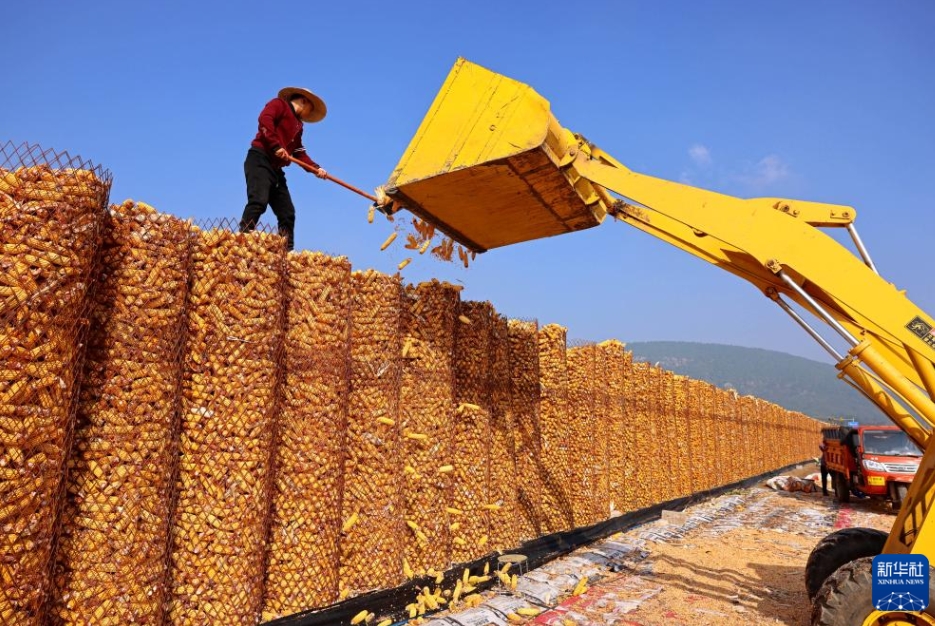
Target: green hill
{"x": 792, "y": 382}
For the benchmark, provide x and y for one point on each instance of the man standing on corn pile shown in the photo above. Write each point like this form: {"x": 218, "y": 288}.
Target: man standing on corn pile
{"x": 279, "y": 137}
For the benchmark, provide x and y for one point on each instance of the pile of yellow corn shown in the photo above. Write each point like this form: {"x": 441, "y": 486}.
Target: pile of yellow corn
{"x": 502, "y": 475}
{"x": 49, "y": 226}
{"x": 372, "y": 541}
{"x": 584, "y": 438}
{"x": 554, "y": 429}
{"x": 523, "y": 337}
{"x": 76, "y": 187}
{"x": 643, "y": 436}
{"x": 707, "y": 463}
{"x": 669, "y": 429}
{"x": 111, "y": 560}
{"x": 679, "y": 447}
{"x": 304, "y": 539}
{"x": 615, "y": 364}
{"x": 754, "y": 430}
{"x": 426, "y": 412}
{"x": 469, "y": 513}
{"x": 229, "y": 400}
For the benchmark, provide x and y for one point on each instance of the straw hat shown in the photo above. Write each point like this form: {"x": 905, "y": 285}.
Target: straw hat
{"x": 318, "y": 105}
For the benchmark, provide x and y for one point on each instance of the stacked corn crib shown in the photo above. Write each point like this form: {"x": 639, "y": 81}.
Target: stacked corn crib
{"x": 198, "y": 427}
{"x": 51, "y": 214}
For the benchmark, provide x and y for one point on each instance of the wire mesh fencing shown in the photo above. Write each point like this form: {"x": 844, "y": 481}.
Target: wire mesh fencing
{"x": 426, "y": 414}
{"x": 51, "y": 208}
{"x": 556, "y": 454}
{"x": 229, "y": 401}
{"x": 112, "y": 558}
{"x": 670, "y": 431}
{"x": 502, "y": 475}
{"x": 304, "y": 540}
{"x": 585, "y": 425}
{"x": 523, "y": 338}
{"x": 685, "y": 435}
{"x": 471, "y": 433}
{"x": 372, "y": 539}
{"x": 615, "y": 365}
{"x": 647, "y": 473}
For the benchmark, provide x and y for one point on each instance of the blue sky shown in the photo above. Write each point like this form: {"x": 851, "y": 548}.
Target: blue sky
{"x": 829, "y": 101}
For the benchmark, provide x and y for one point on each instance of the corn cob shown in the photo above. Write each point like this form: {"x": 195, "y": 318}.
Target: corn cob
{"x": 388, "y": 241}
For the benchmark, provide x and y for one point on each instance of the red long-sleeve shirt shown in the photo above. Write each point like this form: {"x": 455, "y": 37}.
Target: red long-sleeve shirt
{"x": 280, "y": 127}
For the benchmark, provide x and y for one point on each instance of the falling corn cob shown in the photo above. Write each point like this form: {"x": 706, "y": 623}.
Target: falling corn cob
{"x": 388, "y": 241}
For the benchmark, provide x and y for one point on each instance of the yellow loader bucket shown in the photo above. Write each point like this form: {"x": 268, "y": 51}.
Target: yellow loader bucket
{"x": 488, "y": 165}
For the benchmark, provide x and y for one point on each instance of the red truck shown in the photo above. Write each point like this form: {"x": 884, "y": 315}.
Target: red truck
{"x": 874, "y": 461}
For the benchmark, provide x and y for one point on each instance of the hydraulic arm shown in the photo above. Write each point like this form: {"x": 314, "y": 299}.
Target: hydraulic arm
{"x": 490, "y": 166}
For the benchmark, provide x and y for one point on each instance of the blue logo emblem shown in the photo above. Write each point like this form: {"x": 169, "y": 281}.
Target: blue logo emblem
{"x": 900, "y": 582}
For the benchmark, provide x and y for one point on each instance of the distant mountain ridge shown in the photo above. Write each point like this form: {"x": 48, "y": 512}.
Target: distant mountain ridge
{"x": 793, "y": 382}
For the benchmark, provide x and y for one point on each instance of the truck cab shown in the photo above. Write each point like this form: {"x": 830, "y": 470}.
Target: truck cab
{"x": 871, "y": 461}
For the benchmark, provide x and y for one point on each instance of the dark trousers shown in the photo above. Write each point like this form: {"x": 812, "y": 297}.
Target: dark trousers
{"x": 824, "y": 478}
{"x": 266, "y": 185}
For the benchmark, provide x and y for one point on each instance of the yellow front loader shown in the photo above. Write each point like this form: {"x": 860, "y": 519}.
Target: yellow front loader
{"x": 490, "y": 166}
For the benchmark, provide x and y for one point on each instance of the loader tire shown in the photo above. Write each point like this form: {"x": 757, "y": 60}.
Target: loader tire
{"x": 901, "y": 491}
{"x": 845, "y": 599}
{"x": 837, "y": 549}
{"x": 842, "y": 490}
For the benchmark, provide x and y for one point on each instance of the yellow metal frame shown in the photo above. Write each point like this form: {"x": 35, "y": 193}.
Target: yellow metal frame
{"x": 898, "y": 618}
{"x": 493, "y": 143}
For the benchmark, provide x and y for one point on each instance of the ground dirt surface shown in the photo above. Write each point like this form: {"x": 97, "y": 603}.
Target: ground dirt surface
{"x": 738, "y": 558}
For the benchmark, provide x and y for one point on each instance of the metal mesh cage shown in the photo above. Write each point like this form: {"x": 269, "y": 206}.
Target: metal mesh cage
{"x": 304, "y": 548}
{"x": 111, "y": 560}
{"x": 668, "y": 430}
{"x": 502, "y": 474}
{"x": 372, "y": 542}
{"x": 554, "y": 428}
{"x": 647, "y": 473}
{"x": 583, "y": 424}
{"x": 621, "y": 459}
{"x": 229, "y": 400}
{"x": 51, "y": 206}
{"x": 524, "y": 406}
{"x": 426, "y": 408}
{"x": 471, "y": 432}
